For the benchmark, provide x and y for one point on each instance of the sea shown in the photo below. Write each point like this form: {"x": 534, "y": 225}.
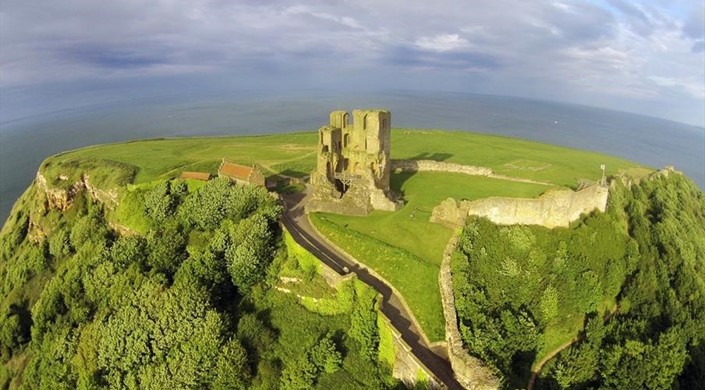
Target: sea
{"x": 655, "y": 142}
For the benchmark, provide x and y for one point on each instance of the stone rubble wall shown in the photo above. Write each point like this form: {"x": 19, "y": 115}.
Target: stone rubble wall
{"x": 439, "y": 166}
{"x": 406, "y": 364}
{"x": 555, "y": 208}
{"x": 469, "y": 371}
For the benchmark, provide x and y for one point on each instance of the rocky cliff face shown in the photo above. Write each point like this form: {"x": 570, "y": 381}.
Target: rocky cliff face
{"x": 552, "y": 209}
{"x": 62, "y": 199}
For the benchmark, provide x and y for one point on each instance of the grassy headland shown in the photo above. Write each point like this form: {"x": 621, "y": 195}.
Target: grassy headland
{"x": 416, "y": 244}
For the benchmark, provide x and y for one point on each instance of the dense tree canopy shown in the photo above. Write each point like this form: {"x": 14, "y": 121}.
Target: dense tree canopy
{"x": 628, "y": 286}
{"x": 185, "y": 305}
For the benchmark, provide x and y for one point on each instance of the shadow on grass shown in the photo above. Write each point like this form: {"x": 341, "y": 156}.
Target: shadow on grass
{"x": 293, "y": 173}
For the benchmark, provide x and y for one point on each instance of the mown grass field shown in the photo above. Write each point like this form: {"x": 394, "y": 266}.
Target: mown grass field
{"x": 412, "y": 246}
{"x": 506, "y": 156}
{"x": 164, "y": 158}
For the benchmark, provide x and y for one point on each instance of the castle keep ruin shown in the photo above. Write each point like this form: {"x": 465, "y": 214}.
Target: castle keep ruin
{"x": 353, "y": 167}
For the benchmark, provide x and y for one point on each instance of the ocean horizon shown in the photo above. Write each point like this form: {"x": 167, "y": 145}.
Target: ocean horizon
{"x": 651, "y": 141}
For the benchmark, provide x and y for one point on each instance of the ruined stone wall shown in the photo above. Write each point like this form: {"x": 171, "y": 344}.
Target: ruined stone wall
{"x": 406, "y": 365}
{"x": 439, "y": 166}
{"x": 555, "y": 208}
{"x": 469, "y": 371}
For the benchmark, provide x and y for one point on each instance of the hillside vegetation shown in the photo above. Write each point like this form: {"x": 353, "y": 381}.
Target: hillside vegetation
{"x": 626, "y": 287}
{"x": 187, "y": 304}
{"x": 407, "y": 231}
{"x": 176, "y": 273}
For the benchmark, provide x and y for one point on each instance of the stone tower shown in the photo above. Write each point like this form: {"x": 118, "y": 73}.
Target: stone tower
{"x": 353, "y": 167}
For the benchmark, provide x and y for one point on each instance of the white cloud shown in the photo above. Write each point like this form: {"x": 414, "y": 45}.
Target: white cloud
{"x": 442, "y": 42}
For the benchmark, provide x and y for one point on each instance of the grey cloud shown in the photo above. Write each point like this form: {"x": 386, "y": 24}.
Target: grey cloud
{"x": 613, "y": 50}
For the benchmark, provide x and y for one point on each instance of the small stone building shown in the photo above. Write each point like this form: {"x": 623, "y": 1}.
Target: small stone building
{"x": 353, "y": 166}
{"x": 241, "y": 173}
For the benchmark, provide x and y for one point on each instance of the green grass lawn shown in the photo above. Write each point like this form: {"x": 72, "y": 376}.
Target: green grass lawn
{"x": 294, "y": 154}
{"x": 403, "y": 243}
{"x": 411, "y": 246}
{"x": 506, "y": 156}
{"x": 165, "y": 158}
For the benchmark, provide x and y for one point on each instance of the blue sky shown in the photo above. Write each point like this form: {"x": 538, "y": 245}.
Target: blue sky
{"x": 646, "y": 57}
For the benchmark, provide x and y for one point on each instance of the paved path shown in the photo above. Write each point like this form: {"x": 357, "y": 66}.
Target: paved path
{"x": 298, "y": 225}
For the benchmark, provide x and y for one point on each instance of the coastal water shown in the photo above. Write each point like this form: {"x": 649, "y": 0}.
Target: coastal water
{"x": 647, "y": 140}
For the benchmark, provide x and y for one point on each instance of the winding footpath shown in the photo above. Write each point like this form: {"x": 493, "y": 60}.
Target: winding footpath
{"x": 296, "y": 221}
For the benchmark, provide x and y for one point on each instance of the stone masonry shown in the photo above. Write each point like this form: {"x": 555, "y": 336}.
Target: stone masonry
{"x": 552, "y": 209}
{"x": 353, "y": 165}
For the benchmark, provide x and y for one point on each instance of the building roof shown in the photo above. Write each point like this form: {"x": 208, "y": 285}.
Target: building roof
{"x": 205, "y": 176}
{"x": 236, "y": 171}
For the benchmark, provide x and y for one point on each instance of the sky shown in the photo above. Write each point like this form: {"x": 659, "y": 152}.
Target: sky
{"x": 646, "y": 57}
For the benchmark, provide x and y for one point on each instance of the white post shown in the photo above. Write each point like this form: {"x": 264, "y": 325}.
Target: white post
{"x": 603, "y": 174}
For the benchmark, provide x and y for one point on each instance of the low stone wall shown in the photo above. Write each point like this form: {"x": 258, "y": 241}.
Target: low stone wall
{"x": 552, "y": 209}
{"x": 469, "y": 371}
{"x": 406, "y": 364}
{"x": 439, "y": 166}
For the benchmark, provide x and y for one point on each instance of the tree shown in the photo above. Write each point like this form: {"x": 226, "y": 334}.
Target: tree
{"x": 159, "y": 203}
{"x": 232, "y": 370}
{"x": 60, "y": 243}
{"x": 325, "y": 356}
{"x": 251, "y": 252}
{"x": 129, "y": 249}
{"x": 299, "y": 375}
{"x": 166, "y": 249}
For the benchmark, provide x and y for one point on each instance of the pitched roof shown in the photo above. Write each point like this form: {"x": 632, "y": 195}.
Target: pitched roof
{"x": 236, "y": 171}
{"x": 205, "y": 176}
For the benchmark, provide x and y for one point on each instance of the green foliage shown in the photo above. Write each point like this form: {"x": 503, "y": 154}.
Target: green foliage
{"x": 363, "y": 323}
{"x": 299, "y": 375}
{"x": 325, "y": 355}
{"x": 387, "y": 351}
{"x": 60, "y": 244}
{"x": 166, "y": 248}
{"x": 160, "y": 310}
{"x": 635, "y": 272}
{"x": 256, "y": 337}
{"x": 159, "y": 202}
{"x": 549, "y": 304}
{"x": 254, "y": 250}
{"x": 127, "y": 250}
{"x": 232, "y": 371}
